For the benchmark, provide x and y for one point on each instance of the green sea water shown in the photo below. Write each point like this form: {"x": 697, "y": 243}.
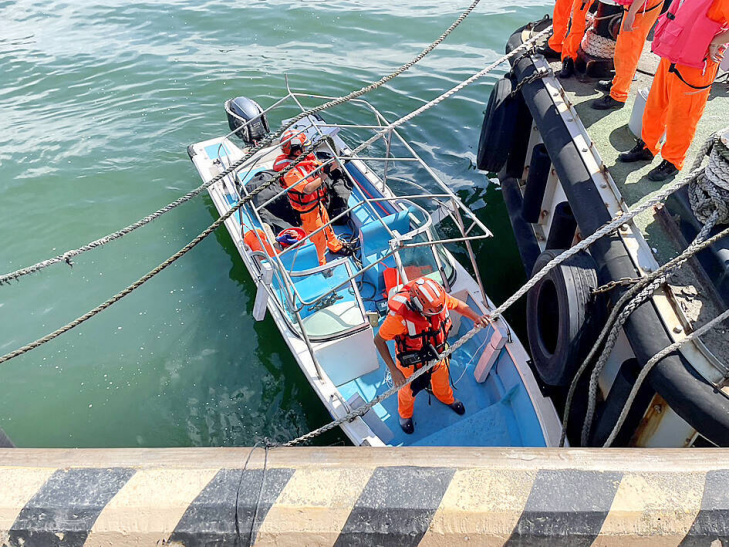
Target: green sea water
{"x": 98, "y": 102}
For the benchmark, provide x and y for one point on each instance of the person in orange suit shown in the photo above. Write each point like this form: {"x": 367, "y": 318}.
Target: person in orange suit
{"x": 560, "y": 23}
{"x": 419, "y": 323}
{"x": 637, "y": 23}
{"x": 676, "y": 103}
{"x": 574, "y": 36}
{"x": 307, "y": 195}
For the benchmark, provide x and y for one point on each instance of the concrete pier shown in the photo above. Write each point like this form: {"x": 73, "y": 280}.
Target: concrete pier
{"x": 364, "y": 496}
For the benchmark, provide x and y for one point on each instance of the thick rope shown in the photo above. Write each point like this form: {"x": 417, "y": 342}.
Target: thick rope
{"x": 68, "y": 255}
{"x": 642, "y": 297}
{"x": 598, "y": 46}
{"x": 652, "y": 200}
{"x": 644, "y": 288}
{"x": 709, "y": 191}
{"x": 642, "y": 283}
{"x": 78, "y": 321}
{"x": 654, "y": 361}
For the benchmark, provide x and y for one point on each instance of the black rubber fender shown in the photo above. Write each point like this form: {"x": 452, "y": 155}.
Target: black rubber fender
{"x": 498, "y": 128}
{"x": 693, "y": 398}
{"x": 562, "y": 318}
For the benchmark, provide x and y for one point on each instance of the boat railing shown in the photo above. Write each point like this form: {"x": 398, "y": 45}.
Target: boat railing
{"x": 447, "y": 202}
{"x": 398, "y": 242}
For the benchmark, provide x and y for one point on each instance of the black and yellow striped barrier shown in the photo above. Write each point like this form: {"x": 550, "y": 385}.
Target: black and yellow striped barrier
{"x": 364, "y": 496}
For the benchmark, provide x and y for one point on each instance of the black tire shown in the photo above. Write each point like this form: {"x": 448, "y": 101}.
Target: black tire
{"x": 563, "y": 319}
{"x": 498, "y": 128}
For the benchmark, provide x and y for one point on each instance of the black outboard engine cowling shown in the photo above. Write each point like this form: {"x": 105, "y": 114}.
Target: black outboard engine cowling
{"x": 247, "y": 119}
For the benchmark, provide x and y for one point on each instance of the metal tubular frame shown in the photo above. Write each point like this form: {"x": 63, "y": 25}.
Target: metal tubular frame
{"x": 397, "y": 243}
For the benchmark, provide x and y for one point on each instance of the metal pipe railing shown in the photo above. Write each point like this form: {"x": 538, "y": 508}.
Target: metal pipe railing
{"x": 397, "y": 243}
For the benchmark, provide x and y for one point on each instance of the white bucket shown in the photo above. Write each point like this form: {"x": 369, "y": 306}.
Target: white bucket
{"x": 636, "y": 116}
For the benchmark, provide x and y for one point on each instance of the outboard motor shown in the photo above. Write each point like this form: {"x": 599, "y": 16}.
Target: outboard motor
{"x": 247, "y": 119}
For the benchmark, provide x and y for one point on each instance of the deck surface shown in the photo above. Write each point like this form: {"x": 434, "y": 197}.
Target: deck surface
{"x": 610, "y": 132}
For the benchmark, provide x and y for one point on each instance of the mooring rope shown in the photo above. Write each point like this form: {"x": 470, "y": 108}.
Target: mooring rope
{"x": 653, "y": 361}
{"x": 68, "y": 255}
{"x": 205, "y": 233}
{"x": 652, "y": 200}
{"x": 709, "y": 191}
{"x": 639, "y": 293}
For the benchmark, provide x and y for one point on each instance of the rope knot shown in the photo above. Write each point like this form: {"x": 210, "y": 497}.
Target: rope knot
{"x": 709, "y": 189}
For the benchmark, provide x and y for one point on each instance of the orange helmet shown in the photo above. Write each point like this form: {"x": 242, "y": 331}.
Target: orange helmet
{"x": 293, "y": 141}
{"x": 427, "y": 296}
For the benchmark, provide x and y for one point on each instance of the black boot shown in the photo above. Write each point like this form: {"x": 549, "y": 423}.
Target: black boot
{"x": 457, "y": 407}
{"x": 638, "y": 153}
{"x": 568, "y": 68}
{"x": 548, "y": 52}
{"x": 407, "y": 425}
{"x": 664, "y": 170}
{"x": 604, "y": 85}
{"x": 606, "y": 103}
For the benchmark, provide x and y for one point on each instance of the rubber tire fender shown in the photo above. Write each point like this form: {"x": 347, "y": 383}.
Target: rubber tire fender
{"x": 563, "y": 317}
{"x": 498, "y": 128}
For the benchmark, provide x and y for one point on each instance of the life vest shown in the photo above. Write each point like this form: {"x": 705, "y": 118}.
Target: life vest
{"x": 254, "y": 243}
{"x": 298, "y": 177}
{"x": 413, "y": 348}
{"x": 282, "y": 161}
{"x": 684, "y": 32}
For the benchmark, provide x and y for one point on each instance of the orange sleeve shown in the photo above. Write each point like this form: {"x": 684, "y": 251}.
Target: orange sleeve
{"x": 719, "y": 11}
{"x": 451, "y": 302}
{"x": 391, "y": 327}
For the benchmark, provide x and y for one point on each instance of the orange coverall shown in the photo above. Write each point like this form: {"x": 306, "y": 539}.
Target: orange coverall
{"x": 630, "y": 46}
{"x": 394, "y": 326}
{"x": 576, "y": 29}
{"x": 314, "y": 218}
{"x": 676, "y": 108}
{"x": 560, "y": 22}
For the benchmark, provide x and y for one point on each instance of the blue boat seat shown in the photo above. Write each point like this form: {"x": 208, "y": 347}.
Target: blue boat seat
{"x": 376, "y": 244}
{"x": 302, "y": 258}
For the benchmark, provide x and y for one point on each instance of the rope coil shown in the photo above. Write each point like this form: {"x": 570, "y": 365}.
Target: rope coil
{"x": 598, "y": 46}
{"x": 709, "y": 191}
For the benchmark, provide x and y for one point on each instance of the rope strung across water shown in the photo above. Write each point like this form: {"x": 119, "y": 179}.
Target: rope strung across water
{"x": 141, "y": 281}
{"x": 68, "y": 255}
{"x": 78, "y": 321}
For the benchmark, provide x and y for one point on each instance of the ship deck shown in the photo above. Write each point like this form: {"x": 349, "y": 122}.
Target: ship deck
{"x": 693, "y": 289}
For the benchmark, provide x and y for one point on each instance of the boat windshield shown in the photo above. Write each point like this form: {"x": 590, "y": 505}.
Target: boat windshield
{"x": 327, "y": 301}
{"x": 420, "y": 261}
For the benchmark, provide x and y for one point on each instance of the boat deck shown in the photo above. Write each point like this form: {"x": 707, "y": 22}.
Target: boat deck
{"x": 611, "y": 135}
{"x": 498, "y": 412}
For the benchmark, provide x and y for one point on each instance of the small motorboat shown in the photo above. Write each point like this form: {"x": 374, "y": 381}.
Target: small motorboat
{"x": 329, "y": 314}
